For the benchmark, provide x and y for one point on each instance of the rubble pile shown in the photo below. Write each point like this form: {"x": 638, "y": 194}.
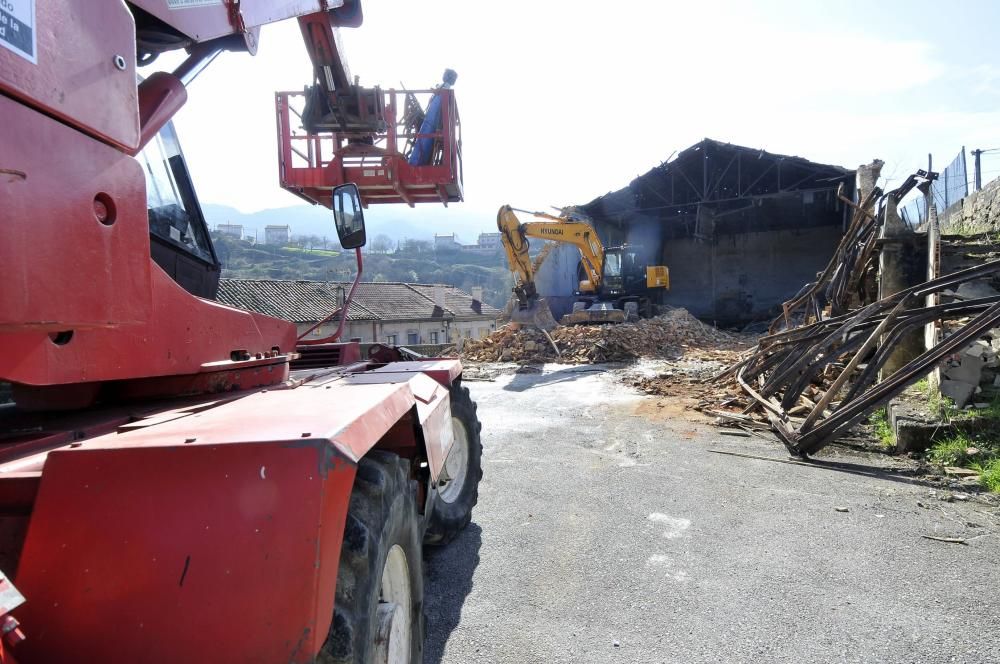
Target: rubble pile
{"x": 669, "y": 335}
{"x": 817, "y": 372}
{"x": 814, "y": 382}
{"x": 691, "y": 377}
{"x": 977, "y": 368}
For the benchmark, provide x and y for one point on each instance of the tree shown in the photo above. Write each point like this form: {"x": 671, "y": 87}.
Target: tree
{"x": 417, "y": 246}
{"x": 381, "y": 244}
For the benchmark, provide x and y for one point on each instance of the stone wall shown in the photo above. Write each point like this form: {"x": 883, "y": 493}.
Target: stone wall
{"x": 729, "y": 279}
{"x": 978, "y": 212}
{"x": 736, "y": 279}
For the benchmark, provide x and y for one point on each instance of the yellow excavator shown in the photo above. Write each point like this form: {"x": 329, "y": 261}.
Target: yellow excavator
{"x": 615, "y": 287}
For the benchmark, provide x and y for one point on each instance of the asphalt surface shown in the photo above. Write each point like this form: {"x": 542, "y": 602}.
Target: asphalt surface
{"x": 607, "y": 533}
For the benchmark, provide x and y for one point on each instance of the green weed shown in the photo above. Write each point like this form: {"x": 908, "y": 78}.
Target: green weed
{"x": 953, "y": 450}
{"x": 989, "y": 475}
{"x": 879, "y": 421}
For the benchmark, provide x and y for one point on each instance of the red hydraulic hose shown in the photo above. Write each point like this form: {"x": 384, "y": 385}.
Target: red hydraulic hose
{"x": 342, "y": 310}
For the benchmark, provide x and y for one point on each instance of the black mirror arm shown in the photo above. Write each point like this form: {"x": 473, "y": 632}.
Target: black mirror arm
{"x": 341, "y": 310}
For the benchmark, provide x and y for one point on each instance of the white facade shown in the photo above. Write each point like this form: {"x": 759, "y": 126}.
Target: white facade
{"x": 449, "y": 241}
{"x": 489, "y": 241}
{"x": 232, "y": 230}
{"x": 277, "y": 235}
{"x": 407, "y": 332}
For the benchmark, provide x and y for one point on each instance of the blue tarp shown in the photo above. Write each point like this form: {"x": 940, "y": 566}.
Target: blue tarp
{"x": 424, "y": 147}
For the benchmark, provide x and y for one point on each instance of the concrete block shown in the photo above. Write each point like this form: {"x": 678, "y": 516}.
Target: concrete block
{"x": 972, "y": 290}
{"x": 958, "y": 391}
{"x": 979, "y": 348}
{"x": 970, "y": 370}
{"x": 960, "y": 472}
{"x": 912, "y": 426}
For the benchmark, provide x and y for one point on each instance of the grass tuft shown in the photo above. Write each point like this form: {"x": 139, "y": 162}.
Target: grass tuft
{"x": 953, "y": 450}
{"x": 879, "y": 421}
{"x": 989, "y": 475}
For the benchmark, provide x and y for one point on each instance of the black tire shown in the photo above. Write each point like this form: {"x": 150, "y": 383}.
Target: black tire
{"x": 448, "y": 518}
{"x": 382, "y": 514}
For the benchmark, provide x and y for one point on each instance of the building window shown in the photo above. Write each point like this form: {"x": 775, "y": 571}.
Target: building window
{"x": 483, "y": 332}
{"x": 412, "y": 338}
{"x": 467, "y": 333}
{"x": 390, "y": 339}
{"x": 434, "y": 337}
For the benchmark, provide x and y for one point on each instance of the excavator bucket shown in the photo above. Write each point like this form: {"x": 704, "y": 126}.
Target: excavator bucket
{"x": 536, "y": 314}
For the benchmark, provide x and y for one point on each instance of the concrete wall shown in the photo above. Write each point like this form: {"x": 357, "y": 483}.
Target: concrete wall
{"x": 556, "y": 280}
{"x": 978, "y": 212}
{"x": 731, "y": 279}
{"x": 738, "y": 278}
{"x": 374, "y": 331}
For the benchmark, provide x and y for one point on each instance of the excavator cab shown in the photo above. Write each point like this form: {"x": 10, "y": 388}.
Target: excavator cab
{"x": 611, "y": 284}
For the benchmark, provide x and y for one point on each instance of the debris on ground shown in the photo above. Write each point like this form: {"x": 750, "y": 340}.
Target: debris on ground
{"x": 815, "y": 382}
{"x": 948, "y": 540}
{"x": 671, "y": 335}
{"x": 815, "y": 375}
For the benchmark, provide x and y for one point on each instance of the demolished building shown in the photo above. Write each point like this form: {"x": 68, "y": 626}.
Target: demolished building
{"x": 740, "y": 229}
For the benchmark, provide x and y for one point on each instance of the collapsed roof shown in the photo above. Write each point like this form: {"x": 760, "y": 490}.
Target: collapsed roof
{"x": 717, "y": 181}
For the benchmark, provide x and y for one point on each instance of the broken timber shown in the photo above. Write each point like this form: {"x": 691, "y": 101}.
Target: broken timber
{"x": 826, "y": 368}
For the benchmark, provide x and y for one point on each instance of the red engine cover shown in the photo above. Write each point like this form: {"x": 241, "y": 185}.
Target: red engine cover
{"x": 60, "y": 266}
{"x": 82, "y": 69}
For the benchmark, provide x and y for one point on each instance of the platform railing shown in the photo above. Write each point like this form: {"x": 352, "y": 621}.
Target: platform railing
{"x": 310, "y": 165}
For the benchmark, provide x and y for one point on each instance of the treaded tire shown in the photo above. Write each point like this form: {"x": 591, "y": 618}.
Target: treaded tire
{"x": 447, "y": 519}
{"x": 382, "y": 514}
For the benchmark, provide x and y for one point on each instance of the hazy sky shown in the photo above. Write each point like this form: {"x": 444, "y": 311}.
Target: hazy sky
{"x": 564, "y": 100}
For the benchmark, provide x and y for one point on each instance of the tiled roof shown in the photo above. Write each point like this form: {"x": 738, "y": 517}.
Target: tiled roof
{"x": 457, "y": 301}
{"x": 310, "y": 301}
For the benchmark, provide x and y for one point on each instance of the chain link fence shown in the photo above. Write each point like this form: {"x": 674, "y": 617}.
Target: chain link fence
{"x": 951, "y": 187}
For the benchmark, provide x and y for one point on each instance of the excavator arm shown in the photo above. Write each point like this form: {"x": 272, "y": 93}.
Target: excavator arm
{"x": 514, "y": 237}
{"x": 611, "y": 298}
{"x": 529, "y": 308}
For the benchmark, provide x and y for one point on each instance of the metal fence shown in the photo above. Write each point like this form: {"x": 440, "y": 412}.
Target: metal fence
{"x": 951, "y": 186}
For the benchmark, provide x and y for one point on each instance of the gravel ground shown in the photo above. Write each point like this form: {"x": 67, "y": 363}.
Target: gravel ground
{"x": 607, "y": 531}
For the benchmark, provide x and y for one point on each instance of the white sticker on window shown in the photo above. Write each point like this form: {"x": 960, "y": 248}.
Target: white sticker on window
{"x": 17, "y": 28}
{"x": 184, "y": 4}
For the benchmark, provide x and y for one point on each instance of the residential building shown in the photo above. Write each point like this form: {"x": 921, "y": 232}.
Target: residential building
{"x": 394, "y": 313}
{"x": 232, "y": 230}
{"x": 277, "y": 236}
{"x": 488, "y": 241}
{"x": 446, "y": 241}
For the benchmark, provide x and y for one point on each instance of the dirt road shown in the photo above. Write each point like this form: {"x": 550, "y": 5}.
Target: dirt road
{"x": 607, "y": 531}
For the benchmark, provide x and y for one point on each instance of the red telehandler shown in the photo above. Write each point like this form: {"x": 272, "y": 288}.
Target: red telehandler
{"x": 181, "y": 481}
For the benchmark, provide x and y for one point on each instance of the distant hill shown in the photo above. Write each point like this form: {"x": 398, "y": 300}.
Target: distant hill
{"x": 397, "y": 222}
{"x": 416, "y": 262}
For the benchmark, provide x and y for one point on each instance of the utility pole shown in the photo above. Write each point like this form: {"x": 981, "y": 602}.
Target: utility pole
{"x": 979, "y": 168}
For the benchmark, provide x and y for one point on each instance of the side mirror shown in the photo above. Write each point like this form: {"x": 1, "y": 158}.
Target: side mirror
{"x": 348, "y": 216}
